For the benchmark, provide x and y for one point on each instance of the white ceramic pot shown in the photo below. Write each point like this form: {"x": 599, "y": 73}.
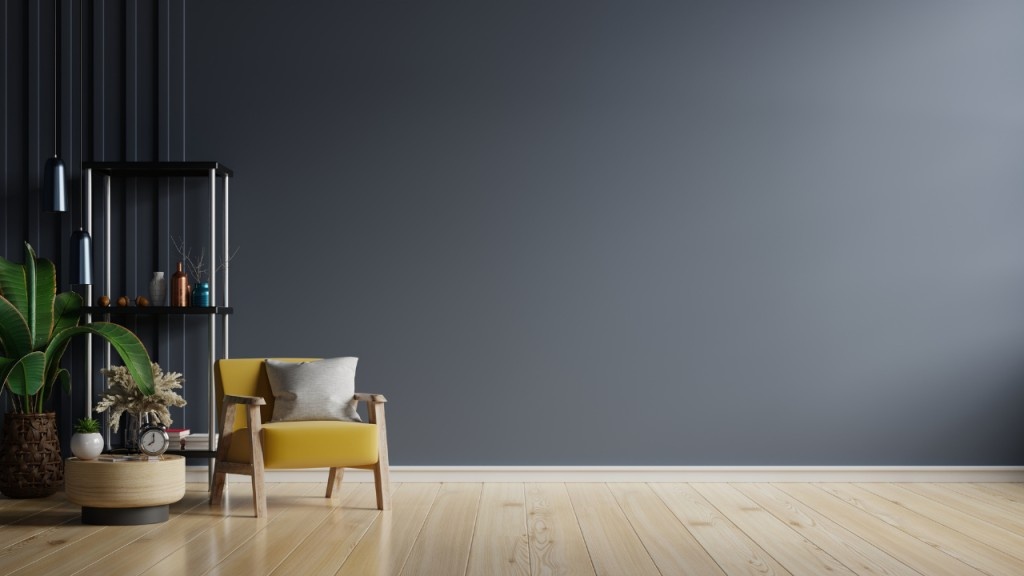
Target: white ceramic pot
{"x": 86, "y": 446}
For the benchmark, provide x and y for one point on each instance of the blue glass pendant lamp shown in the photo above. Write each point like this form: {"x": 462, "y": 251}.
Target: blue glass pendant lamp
{"x": 55, "y": 190}
{"x": 81, "y": 257}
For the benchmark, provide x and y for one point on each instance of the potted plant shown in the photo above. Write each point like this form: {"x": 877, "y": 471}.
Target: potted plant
{"x": 36, "y": 326}
{"x": 86, "y": 442}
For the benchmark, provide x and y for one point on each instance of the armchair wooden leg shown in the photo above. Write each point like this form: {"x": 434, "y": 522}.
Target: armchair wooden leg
{"x": 334, "y": 481}
{"x": 254, "y": 467}
{"x": 382, "y": 482}
{"x": 259, "y": 495}
{"x": 220, "y": 476}
{"x": 381, "y": 472}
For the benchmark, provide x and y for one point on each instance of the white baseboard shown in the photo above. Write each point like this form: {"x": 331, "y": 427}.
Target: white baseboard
{"x": 653, "y": 474}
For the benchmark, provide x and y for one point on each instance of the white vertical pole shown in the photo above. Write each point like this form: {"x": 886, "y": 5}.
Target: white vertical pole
{"x": 213, "y": 236}
{"x": 87, "y": 226}
{"x": 106, "y": 251}
{"x": 227, "y": 264}
{"x": 211, "y": 383}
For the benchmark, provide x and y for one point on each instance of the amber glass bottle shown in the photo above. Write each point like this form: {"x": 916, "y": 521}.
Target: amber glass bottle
{"x": 179, "y": 287}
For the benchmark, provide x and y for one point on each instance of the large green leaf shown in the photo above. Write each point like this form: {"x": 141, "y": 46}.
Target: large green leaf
{"x": 30, "y": 311}
{"x": 12, "y": 284}
{"x": 61, "y": 376}
{"x": 42, "y": 292}
{"x": 14, "y": 332}
{"x": 125, "y": 343}
{"x": 53, "y": 359}
{"x": 64, "y": 377}
{"x": 26, "y": 375}
{"x": 67, "y": 311}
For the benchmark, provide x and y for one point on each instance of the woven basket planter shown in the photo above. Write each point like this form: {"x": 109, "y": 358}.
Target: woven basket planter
{"x": 30, "y": 462}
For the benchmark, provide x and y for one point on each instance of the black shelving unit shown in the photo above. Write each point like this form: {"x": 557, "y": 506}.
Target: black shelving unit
{"x": 217, "y": 314}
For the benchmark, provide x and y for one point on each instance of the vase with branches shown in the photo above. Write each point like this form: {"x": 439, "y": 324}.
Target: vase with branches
{"x": 123, "y": 395}
{"x": 196, "y": 266}
{"x": 198, "y": 269}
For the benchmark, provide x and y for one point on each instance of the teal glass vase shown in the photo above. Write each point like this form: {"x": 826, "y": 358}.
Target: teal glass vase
{"x": 201, "y": 294}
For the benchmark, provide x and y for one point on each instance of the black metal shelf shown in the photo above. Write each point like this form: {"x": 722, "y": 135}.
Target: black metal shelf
{"x": 157, "y": 169}
{"x": 158, "y": 310}
{"x": 122, "y": 172}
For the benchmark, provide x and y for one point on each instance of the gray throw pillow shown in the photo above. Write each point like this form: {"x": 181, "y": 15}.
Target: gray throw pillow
{"x": 316, "y": 390}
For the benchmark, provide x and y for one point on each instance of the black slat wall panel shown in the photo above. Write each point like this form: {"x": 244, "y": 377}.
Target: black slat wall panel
{"x": 121, "y": 79}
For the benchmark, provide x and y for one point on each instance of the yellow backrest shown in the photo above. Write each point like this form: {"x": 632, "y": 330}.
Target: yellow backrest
{"x": 246, "y": 377}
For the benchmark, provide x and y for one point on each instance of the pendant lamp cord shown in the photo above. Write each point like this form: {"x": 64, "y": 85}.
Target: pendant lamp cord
{"x": 56, "y": 87}
{"x": 81, "y": 111}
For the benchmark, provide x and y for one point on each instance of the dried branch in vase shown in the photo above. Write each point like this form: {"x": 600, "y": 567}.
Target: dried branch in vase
{"x": 123, "y": 395}
{"x": 197, "y": 267}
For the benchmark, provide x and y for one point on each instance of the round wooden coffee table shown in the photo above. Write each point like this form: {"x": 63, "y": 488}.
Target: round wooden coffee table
{"x": 117, "y": 492}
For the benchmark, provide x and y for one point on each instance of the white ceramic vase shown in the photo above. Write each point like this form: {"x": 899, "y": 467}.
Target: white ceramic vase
{"x": 157, "y": 289}
{"x": 86, "y": 446}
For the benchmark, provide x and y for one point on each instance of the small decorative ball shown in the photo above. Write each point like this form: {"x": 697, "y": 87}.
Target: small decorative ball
{"x": 122, "y": 301}
{"x": 141, "y": 301}
{"x": 103, "y": 301}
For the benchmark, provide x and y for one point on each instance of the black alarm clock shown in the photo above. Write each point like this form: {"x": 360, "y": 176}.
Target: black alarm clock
{"x": 153, "y": 439}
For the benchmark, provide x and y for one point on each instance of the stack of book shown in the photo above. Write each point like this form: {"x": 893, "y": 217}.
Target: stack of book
{"x": 177, "y": 436}
{"x": 198, "y": 441}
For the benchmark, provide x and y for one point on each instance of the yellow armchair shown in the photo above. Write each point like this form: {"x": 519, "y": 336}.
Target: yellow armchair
{"x": 250, "y": 442}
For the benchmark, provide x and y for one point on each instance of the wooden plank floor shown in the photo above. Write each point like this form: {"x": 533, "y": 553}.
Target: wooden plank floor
{"x": 523, "y": 529}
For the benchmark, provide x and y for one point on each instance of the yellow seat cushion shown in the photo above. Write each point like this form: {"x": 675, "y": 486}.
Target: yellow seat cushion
{"x": 310, "y": 444}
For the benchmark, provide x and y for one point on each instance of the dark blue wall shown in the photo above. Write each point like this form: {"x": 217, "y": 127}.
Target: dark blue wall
{"x": 691, "y": 233}
{"x": 585, "y": 232}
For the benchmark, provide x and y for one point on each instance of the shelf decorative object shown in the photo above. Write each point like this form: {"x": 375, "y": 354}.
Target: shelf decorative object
{"x": 201, "y": 294}
{"x": 157, "y": 289}
{"x": 199, "y": 272}
{"x": 123, "y": 397}
{"x": 179, "y": 287}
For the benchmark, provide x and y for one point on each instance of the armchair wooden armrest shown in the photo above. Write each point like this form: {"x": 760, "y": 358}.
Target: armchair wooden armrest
{"x": 370, "y": 398}
{"x": 247, "y": 400}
